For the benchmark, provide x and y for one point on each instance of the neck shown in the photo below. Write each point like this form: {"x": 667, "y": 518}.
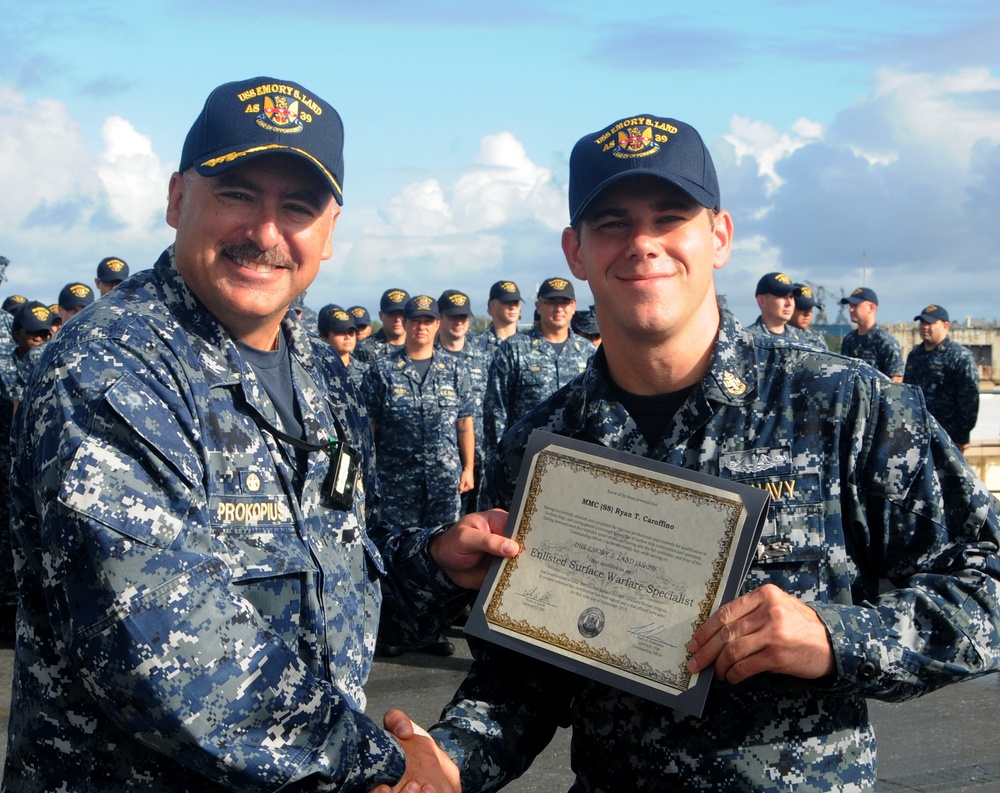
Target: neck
{"x": 505, "y": 331}
{"x": 667, "y": 363}
{"x": 454, "y": 345}
{"x": 554, "y": 335}
{"x": 262, "y": 339}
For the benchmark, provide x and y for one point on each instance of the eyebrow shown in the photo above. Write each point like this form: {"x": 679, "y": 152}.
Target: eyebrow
{"x": 304, "y": 195}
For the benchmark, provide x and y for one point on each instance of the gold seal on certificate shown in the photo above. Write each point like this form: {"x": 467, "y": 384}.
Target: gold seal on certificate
{"x": 622, "y": 559}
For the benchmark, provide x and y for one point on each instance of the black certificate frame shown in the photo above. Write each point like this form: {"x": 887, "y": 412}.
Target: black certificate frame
{"x": 488, "y": 621}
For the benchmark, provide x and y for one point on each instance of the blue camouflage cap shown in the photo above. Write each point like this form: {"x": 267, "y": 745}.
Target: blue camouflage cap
{"x": 642, "y": 145}
{"x": 263, "y": 115}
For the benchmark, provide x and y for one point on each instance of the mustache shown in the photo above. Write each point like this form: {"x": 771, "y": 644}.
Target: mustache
{"x": 249, "y": 251}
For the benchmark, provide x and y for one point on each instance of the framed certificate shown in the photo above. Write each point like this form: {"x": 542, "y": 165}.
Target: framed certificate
{"x": 622, "y": 559}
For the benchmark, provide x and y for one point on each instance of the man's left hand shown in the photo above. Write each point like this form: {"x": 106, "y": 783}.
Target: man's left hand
{"x": 465, "y": 550}
{"x": 766, "y": 630}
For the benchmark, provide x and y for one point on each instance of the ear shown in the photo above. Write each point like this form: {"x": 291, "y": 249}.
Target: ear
{"x": 723, "y": 238}
{"x": 328, "y": 245}
{"x": 571, "y": 250}
{"x": 175, "y": 197}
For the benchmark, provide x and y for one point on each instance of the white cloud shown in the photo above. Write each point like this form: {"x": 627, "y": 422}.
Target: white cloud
{"x": 132, "y": 176}
{"x": 899, "y": 182}
{"x": 497, "y": 219}
{"x": 65, "y": 207}
{"x": 43, "y": 159}
{"x": 763, "y": 143}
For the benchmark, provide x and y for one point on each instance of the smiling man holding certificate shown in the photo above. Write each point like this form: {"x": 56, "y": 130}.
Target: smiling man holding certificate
{"x": 865, "y": 485}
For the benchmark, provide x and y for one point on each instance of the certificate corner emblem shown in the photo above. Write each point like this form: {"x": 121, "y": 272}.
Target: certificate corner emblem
{"x": 591, "y": 622}
{"x": 733, "y": 383}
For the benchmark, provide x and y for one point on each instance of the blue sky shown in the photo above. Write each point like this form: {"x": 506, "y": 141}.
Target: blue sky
{"x": 847, "y": 135}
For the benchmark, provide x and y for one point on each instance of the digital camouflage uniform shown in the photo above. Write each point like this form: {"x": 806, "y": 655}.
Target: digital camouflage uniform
{"x": 475, "y": 361}
{"x": 525, "y": 370}
{"x": 194, "y": 618}
{"x": 758, "y": 328}
{"x": 416, "y": 437}
{"x": 949, "y": 378}
{"x": 356, "y": 370}
{"x": 488, "y": 341}
{"x": 14, "y": 373}
{"x": 864, "y": 487}
{"x": 813, "y": 338}
{"x": 878, "y": 348}
{"x": 375, "y": 346}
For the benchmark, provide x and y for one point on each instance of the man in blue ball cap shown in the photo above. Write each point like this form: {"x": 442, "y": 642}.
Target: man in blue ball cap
{"x": 201, "y": 554}
{"x": 946, "y": 373}
{"x": 866, "y": 488}
{"x": 869, "y": 341}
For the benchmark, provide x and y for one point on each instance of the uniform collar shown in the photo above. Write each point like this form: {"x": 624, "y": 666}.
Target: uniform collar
{"x": 216, "y": 351}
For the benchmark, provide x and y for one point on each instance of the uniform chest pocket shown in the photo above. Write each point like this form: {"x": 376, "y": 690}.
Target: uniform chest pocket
{"x": 136, "y": 471}
{"x": 793, "y": 550}
{"x": 255, "y": 553}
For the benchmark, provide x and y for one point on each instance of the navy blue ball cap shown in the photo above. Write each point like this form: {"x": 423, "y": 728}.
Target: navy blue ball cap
{"x": 13, "y": 302}
{"x": 860, "y": 295}
{"x": 333, "y": 319}
{"x": 393, "y": 300}
{"x": 263, "y": 115}
{"x": 505, "y": 292}
{"x": 75, "y": 296}
{"x": 421, "y": 306}
{"x": 775, "y": 284}
{"x": 805, "y": 300}
{"x": 556, "y": 287}
{"x": 362, "y": 319}
{"x": 453, "y": 303}
{"x": 933, "y": 313}
{"x": 642, "y": 145}
{"x": 33, "y": 317}
{"x": 111, "y": 270}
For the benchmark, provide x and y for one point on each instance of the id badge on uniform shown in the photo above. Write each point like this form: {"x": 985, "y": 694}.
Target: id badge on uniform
{"x": 342, "y": 480}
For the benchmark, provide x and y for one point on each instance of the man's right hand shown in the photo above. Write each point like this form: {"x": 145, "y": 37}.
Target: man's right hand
{"x": 428, "y": 769}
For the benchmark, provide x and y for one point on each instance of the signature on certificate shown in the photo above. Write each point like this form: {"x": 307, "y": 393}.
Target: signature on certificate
{"x": 651, "y": 630}
{"x": 537, "y": 595}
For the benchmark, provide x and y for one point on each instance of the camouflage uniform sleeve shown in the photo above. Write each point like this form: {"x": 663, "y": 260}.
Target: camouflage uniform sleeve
{"x": 494, "y": 728}
{"x": 498, "y": 387}
{"x": 922, "y": 518}
{"x": 894, "y": 357}
{"x": 140, "y": 601}
{"x": 373, "y": 393}
{"x": 966, "y": 397}
{"x": 419, "y": 601}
